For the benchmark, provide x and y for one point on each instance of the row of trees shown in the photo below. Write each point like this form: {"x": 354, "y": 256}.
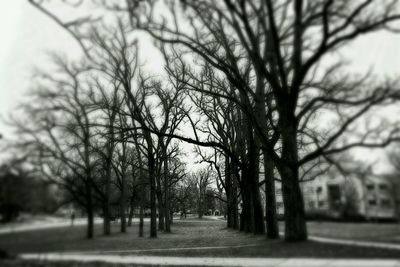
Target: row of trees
{"x": 82, "y": 129}
{"x": 263, "y": 82}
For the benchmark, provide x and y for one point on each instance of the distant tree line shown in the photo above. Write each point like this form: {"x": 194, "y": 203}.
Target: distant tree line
{"x": 21, "y": 192}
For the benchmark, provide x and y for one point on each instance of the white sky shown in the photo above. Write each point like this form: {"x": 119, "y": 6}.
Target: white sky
{"x": 26, "y": 35}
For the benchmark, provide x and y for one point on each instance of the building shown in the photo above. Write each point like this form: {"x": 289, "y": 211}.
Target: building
{"x": 373, "y": 197}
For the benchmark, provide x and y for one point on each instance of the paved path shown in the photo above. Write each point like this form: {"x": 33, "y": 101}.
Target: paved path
{"x": 355, "y": 242}
{"x": 110, "y": 252}
{"x": 60, "y": 222}
{"x": 42, "y": 224}
{"x": 206, "y": 261}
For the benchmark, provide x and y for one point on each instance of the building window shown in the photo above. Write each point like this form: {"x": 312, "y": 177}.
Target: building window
{"x": 383, "y": 187}
{"x": 321, "y": 203}
{"x": 370, "y": 187}
{"x": 334, "y": 196}
{"x": 319, "y": 189}
{"x": 385, "y": 203}
{"x": 311, "y": 204}
{"x": 372, "y": 202}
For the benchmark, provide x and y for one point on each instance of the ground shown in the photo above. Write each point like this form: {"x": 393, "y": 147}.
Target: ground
{"x": 378, "y": 232}
{"x": 213, "y": 238}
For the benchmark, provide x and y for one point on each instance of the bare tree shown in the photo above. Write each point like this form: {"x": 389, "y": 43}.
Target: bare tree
{"x": 273, "y": 56}
{"x": 284, "y": 57}
{"x": 56, "y": 127}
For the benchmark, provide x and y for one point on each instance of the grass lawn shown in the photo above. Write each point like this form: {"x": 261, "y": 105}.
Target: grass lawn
{"x": 188, "y": 233}
{"x": 21, "y": 263}
{"x": 379, "y": 232}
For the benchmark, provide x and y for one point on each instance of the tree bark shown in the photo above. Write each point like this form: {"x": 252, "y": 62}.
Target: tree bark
{"x": 131, "y": 212}
{"x": 270, "y": 199}
{"x": 257, "y": 225}
{"x": 235, "y": 182}
{"x": 141, "y": 220}
{"x": 161, "y": 217}
{"x": 295, "y": 223}
{"x": 228, "y": 193}
{"x": 123, "y": 204}
{"x": 106, "y": 219}
{"x": 246, "y": 220}
{"x": 153, "y": 204}
{"x": 166, "y": 193}
{"x": 89, "y": 211}
{"x": 107, "y": 204}
{"x": 257, "y": 221}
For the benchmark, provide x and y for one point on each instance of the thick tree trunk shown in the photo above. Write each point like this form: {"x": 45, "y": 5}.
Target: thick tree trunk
{"x": 270, "y": 200}
{"x": 106, "y": 219}
{"x": 247, "y": 219}
{"x": 90, "y": 223}
{"x": 250, "y": 178}
{"x": 200, "y": 207}
{"x": 235, "y": 212}
{"x": 295, "y": 223}
{"x": 258, "y": 213}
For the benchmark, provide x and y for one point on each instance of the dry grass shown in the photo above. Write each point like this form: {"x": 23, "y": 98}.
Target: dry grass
{"x": 188, "y": 234}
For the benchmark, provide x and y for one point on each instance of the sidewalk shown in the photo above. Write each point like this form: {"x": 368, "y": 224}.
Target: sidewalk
{"x": 42, "y": 224}
{"x": 355, "y": 243}
{"x": 206, "y": 261}
{"x": 59, "y": 222}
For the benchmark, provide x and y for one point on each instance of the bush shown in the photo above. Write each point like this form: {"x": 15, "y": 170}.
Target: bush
{"x": 355, "y": 217}
{"x": 319, "y": 215}
{"x": 4, "y": 255}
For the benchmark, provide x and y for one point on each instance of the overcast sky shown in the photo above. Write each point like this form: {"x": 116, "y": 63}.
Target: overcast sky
{"x": 26, "y": 35}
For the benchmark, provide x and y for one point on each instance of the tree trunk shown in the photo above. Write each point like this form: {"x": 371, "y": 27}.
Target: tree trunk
{"x": 228, "y": 193}
{"x": 270, "y": 200}
{"x": 250, "y": 178}
{"x": 141, "y": 220}
{"x": 123, "y": 204}
{"x": 235, "y": 212}
{"x": 153, "y": 204}
{"x": 107, "y": 195}
{"x": 90, "y": 226}
{"x": 106, "y": 218}
{"x": 89, "y": 211}
{"x": 106, "y": 204}
{"x": 246, "y": 220}
{"x": 234, "y": 207}
{"x": 258, "y": 213}
{"x": 166, "y": 194}
{"x": 161, "y": 217}
{"x": 295, "y": 223}
{"x": 200, "y": 207}
{"x": 131, "y": 212}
